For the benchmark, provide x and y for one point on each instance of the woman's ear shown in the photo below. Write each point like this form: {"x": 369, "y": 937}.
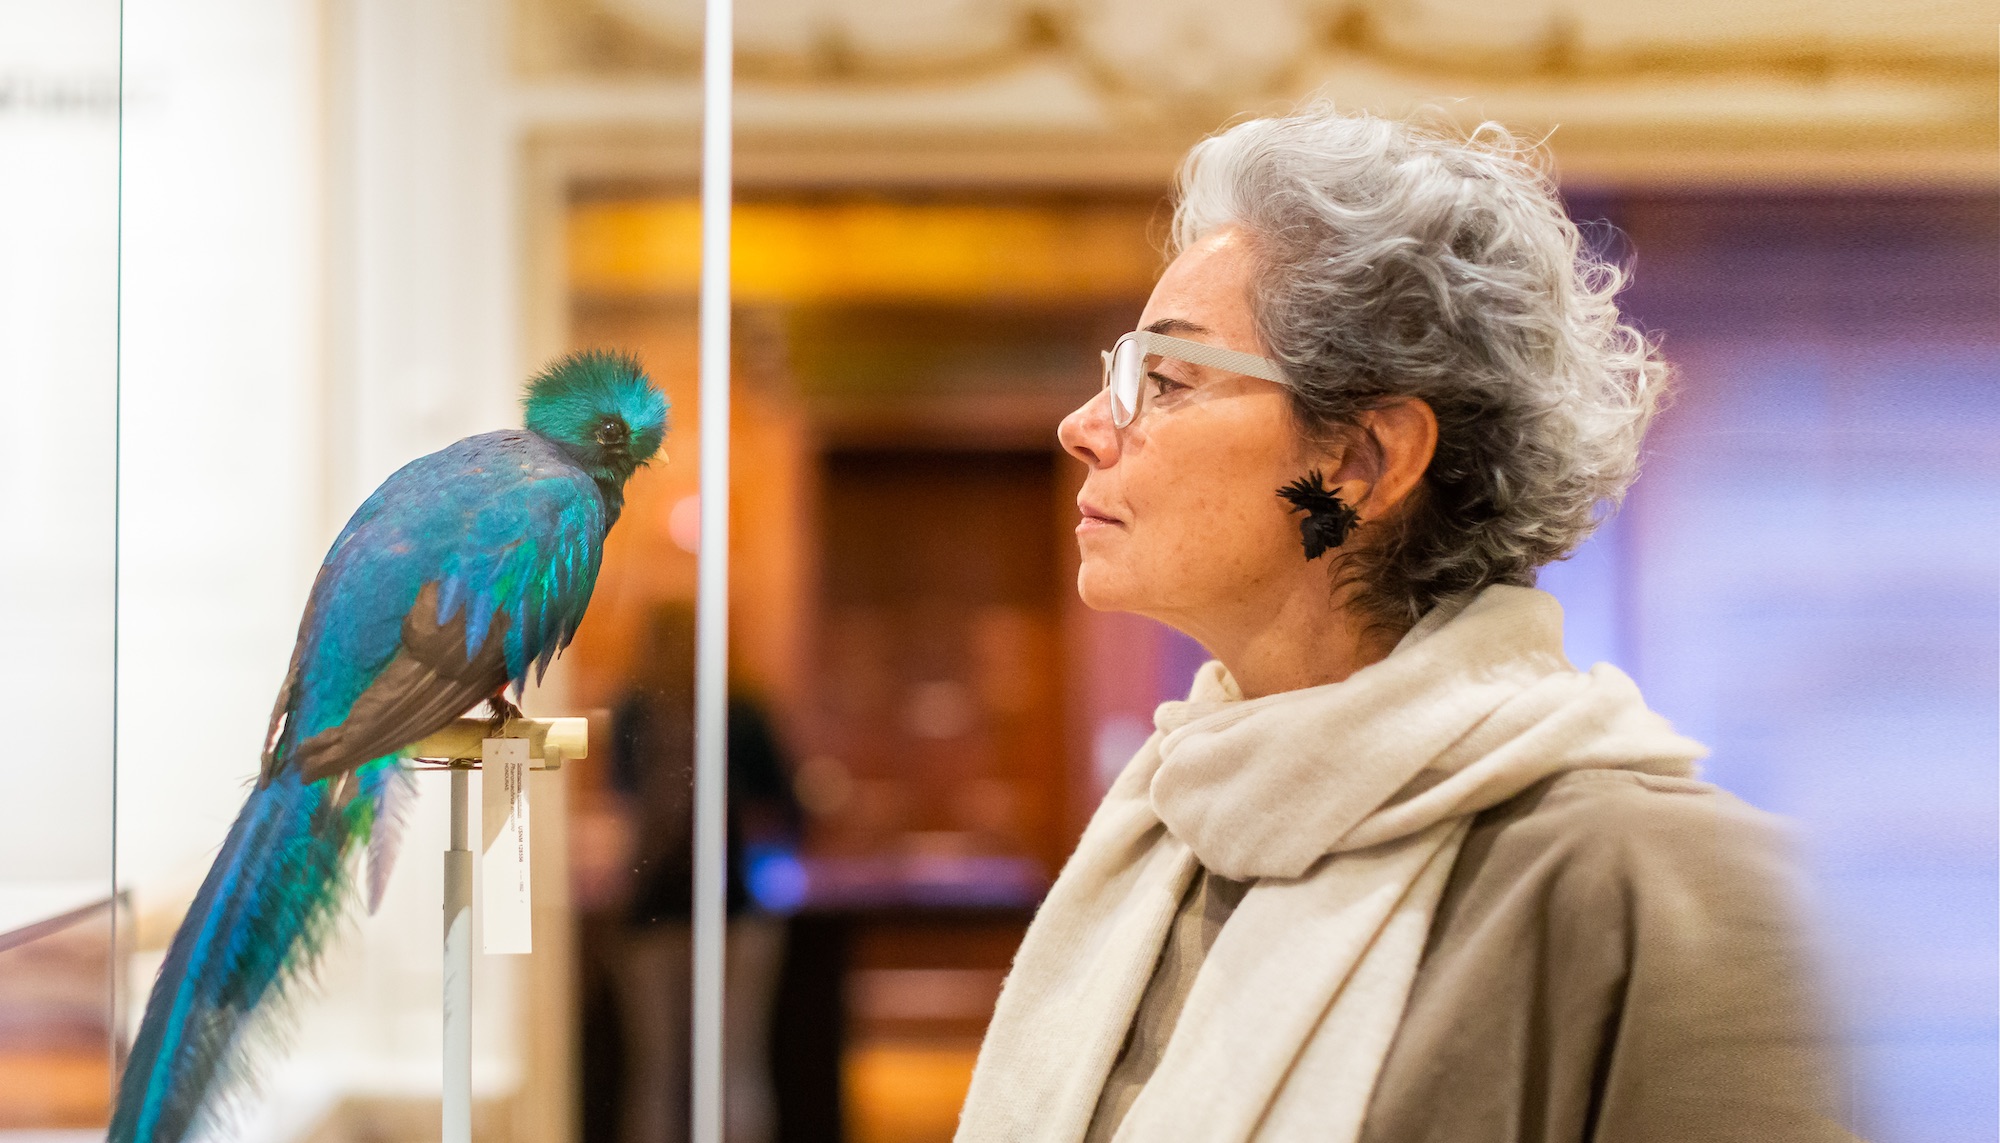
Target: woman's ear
{"x": 1385, "y": 456}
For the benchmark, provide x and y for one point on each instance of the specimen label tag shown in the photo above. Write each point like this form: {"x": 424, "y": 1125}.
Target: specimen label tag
{"x": 505, "y": 911}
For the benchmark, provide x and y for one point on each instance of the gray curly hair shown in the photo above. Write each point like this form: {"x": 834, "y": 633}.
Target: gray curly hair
{"x": 1401, "y": 261}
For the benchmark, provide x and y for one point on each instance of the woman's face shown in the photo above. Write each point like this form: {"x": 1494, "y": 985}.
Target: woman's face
{"x": 1181, "y": 515}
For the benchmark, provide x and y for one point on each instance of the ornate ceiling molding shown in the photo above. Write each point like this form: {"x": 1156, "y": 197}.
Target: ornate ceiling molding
{"x": 1251, "y": 47}
{"x": 1703, "y": 85}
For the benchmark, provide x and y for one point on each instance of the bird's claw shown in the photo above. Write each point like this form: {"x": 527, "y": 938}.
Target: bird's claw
{"x": 504, "y": 712}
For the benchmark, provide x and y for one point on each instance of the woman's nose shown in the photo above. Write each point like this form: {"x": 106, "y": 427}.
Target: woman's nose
{"x": 1088, "y": 434}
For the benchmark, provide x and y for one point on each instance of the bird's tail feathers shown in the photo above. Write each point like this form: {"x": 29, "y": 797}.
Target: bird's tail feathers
{"x": 391, "y": 790}
{"x": 264, "y": 915}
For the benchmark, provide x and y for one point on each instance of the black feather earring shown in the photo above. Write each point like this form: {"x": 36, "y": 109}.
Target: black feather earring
{"x": 1328, "y": 517}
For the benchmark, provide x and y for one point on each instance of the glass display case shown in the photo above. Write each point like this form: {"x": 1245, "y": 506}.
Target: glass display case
{"x": 61, "y": 940}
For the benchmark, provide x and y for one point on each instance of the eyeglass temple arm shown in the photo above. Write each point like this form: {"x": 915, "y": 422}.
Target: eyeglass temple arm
{"x": 1213, "y": 356}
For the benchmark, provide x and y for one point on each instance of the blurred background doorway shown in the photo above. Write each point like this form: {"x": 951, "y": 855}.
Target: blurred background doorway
{"x": 902, "y": 571}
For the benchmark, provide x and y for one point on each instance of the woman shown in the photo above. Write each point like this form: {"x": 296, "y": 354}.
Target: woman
{"x": 652, "y": 768}
{"x": 1395, "y": 870}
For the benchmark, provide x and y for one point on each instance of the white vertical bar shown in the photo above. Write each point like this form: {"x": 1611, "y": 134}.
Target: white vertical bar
{"x": 712, "y": 590}
{"x": 458, "y": 967}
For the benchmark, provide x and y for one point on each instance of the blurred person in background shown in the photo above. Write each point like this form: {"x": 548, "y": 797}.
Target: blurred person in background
{"x": 1396, "y": 870}
{"x": 653, "y": 769}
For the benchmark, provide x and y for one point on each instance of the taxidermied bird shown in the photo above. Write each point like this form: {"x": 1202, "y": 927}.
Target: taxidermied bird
{"x": 461, "y": 572}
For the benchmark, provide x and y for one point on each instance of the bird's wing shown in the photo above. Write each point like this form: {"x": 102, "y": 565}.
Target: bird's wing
{"x": 280, "y": 714}
{"x": 491, "y": 558}
{"x": 430, "y": 682}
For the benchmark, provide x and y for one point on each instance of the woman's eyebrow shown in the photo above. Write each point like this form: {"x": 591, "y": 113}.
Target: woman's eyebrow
{"x": 1176, "y": 326}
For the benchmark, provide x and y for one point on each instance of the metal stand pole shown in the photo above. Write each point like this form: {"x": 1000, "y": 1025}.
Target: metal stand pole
{"x": 458, "y": 966}
{"x": 457, "y": 748}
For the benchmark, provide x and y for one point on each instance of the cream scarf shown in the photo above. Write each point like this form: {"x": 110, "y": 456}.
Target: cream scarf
{"x": 1347, "y": 803}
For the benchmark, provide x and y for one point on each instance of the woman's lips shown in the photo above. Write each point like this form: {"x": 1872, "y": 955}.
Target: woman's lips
{"x": 1095, "y": 519}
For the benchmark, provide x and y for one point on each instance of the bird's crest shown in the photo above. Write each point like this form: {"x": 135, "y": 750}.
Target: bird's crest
{"x": 600, "y": 407}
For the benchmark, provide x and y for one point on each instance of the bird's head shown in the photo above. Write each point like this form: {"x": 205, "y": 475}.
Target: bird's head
{"x": 600, "y": 408}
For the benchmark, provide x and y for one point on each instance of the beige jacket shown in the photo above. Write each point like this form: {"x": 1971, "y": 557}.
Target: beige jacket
{"x": 1615, "y": 959}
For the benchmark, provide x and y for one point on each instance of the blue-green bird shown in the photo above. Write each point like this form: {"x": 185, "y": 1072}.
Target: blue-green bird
{"x": 461, "y": 572}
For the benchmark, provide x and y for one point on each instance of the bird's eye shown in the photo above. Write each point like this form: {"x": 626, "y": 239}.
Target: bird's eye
{"x": 611, "y": 434}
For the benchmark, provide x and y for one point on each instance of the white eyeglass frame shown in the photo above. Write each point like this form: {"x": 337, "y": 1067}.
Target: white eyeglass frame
{"x": 1125, "y": 374}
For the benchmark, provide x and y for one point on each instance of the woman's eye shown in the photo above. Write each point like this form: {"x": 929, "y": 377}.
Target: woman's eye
{"x": 1164, "y": 385}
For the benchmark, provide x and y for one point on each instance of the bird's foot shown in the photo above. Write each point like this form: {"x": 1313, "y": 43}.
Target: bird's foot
{"x": 504, "y": 712}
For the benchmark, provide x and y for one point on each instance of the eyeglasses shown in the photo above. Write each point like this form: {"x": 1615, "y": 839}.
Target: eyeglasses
{"x": 1128, "y": 361}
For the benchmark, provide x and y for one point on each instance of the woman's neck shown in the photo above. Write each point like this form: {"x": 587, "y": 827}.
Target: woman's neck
{"x": 1304, "y": 640}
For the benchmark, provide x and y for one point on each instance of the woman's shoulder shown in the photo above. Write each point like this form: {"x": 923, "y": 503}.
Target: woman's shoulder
{"x": 1602, "y": 812}
{"x": 1634, "y": 838}
{"x": 1630, "y": 939}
